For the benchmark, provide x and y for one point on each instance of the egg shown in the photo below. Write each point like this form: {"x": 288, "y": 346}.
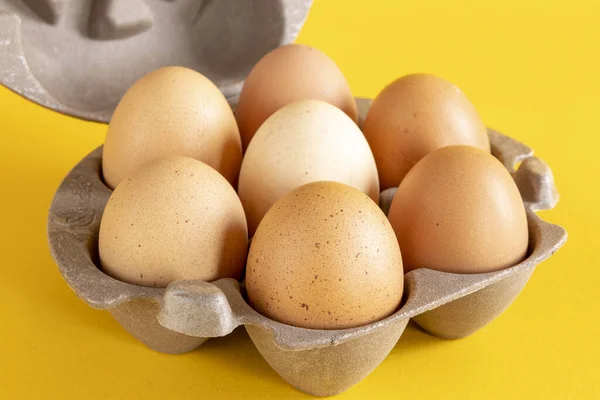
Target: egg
{"x": 175, "y": 218}
{"x": 325, "y": 257}
{"x": 171, "y": 111}
{"x": 304, "y": 142}
{"x": 459, "y": 210}
{"x": 414, "y": 116}
{"x": 285, "y": 75}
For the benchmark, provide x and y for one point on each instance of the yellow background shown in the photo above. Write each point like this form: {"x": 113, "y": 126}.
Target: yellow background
{"x": 530, "y": 67}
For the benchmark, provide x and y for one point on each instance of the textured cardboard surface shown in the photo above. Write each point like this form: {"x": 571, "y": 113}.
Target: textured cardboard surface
{"x": 466, "y": 315}
{"x": 326, "y": 371}
{"x": 138, "y": 317}
{"x": 319, "y": 362}
{"x": 79, "y": 57}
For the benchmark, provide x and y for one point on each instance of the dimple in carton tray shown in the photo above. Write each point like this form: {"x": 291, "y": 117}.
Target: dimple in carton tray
{"x": 319, "y": 362}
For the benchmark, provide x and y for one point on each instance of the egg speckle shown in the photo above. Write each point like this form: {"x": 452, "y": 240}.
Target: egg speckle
{"x": 325, "y": 257}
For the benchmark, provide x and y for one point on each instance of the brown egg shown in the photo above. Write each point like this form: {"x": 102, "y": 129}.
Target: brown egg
{"x": 304, "y": 142}
{"x": 414, "y": 116}
{"x": 285, "y": 75}
{"x": 459, "y": 210}
{"x": 175, "y": 218}
{"x": 171, "y": 111}
{"x": 325, "y": 257}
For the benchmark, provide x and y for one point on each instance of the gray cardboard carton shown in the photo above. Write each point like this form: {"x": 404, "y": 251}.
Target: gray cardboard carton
{"x": 320, "y": 362}
{"x": 78, "y": 57}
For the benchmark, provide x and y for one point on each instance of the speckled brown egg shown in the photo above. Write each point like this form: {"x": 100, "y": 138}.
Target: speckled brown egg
{"x": 459, "y": 210}
{"x": 304, "y": 142}
{"x": 325, "y": 257}
{"x": 414, "y": 116}
{"x": 285, "y": 75}
{"x": 172, "y": 111}
{"x": 175, "y": 218}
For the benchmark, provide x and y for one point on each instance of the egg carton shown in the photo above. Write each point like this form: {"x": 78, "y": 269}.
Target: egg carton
{"x": 319, "y": 362}
{"x": 79, "y": 57}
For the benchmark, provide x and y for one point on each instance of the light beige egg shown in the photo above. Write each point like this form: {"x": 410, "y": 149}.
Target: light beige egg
{"x": 325, "y": 257}
{"x": 171, "y": 111}
{"x": 304, "y": 142}
{"x": 415, "y": 115}
{"x": 175, "y": 218}
{"x": 459, "y": 210}
{"x": 288, "y": 74}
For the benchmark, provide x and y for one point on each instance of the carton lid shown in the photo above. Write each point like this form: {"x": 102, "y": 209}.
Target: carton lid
{"x": 79, "y": 57}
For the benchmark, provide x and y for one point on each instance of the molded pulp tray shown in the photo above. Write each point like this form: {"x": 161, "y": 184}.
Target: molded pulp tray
{"x": 320, "y": 362}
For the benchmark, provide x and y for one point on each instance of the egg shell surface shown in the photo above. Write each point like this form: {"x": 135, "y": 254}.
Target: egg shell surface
{"x": 459, "y": 210}
{"x": 175, "y": 218}
{"x": 415, "y": 115}
{"x": 285, "y": 75}
{"x": 304, "y": 142}
{"x": 171, "y": 111}
{"x": 325, "y": 257}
